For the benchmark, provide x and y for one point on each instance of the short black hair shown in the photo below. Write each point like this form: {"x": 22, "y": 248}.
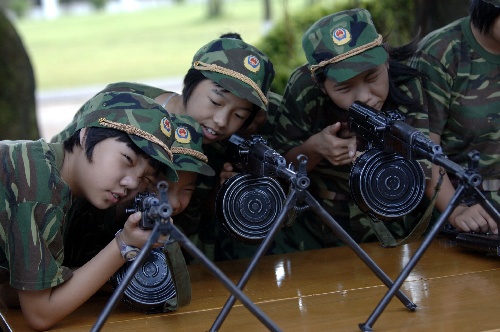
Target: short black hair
{"x": 483, "y": 15}
{"x": 191, "y": 81}
{"x": 96, "y": 135}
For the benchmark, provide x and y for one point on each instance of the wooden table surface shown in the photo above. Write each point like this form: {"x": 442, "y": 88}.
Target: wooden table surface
{"x": 323, "y": 290}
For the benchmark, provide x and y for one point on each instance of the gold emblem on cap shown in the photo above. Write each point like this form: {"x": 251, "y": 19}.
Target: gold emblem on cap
{"x": 166, "y": 127}
{"x": 341, "y": 36}
{"x": 252, "y": 63}
{"x": 182, "y": 135}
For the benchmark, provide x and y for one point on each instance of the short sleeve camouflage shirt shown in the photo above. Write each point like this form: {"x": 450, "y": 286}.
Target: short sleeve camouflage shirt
{"x": 34, "y": 202}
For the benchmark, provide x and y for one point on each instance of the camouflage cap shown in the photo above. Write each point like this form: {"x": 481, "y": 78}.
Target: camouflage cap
{"x": 344, "y": 45}
{"x": 187, "y": 146}
{"x": 152, "y": 131}
{"x": 238, "y": 67}
{"x": 495, "y": 3}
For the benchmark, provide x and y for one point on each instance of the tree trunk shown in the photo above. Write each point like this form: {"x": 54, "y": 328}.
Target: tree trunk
{"x": 17, "y": 87}
{"x": 214, "y": 8}
{"x": 267, "y": 10}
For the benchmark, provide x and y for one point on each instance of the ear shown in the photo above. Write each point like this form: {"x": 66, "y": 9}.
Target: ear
{"x": 83, "y": 136}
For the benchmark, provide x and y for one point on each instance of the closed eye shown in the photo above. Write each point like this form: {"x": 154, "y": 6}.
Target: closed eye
{"x": 129, "y": 159}
{"x": 214, "y": 102}
{"x": 239, "y": 116}
{"x": 342, "y": 88}
{"x": 372, "y": 78}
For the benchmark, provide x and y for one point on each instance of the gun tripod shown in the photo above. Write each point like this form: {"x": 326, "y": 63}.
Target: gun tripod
{"x": 162, "y": 226}
{"x": 300, "y": 182}
{"x": 469, "y": 181}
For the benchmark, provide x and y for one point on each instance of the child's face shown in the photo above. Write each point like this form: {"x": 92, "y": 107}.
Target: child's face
{"x": 115, "y": 174}
{"x": 179, "y": 193}
{"x": 370, "y": 87}
{"x": 219, "y": 112}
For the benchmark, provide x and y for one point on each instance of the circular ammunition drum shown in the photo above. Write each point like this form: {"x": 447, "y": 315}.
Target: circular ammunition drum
{"x": 151, "y": 286}
{"x": 386, "y": 185}
{"x": 247, "y": 206}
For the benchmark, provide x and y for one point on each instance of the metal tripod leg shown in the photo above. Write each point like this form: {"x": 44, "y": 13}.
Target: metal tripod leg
{"x": 289, "y": 204}
{"x": 367, "y": 326}
{"x": 170, "y": 229}
{"x": 235, "y": 291}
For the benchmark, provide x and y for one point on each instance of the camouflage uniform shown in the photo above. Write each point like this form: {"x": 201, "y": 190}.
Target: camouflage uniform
{"x": 33, "y": 210}
{"x": 462, "y": 85}
{"x": 305, "y": 111}
{"x": 36, "y": 200}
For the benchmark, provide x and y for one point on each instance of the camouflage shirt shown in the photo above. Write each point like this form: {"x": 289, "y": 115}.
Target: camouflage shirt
{"x": 463, "y": 94}
{"x": 34, "y": 203}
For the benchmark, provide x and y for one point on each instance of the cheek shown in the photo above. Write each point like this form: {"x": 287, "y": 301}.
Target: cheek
{"x": 197, "y": 110}
{"x": 344, "y": 100}
{"x": 184, "y": 200}
{"x": 234, "y": 125}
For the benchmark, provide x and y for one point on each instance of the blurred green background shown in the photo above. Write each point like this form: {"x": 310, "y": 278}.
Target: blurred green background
{"x": 156, "y": 42}
{"x": 104, "y": 47}
{"x": 44, "y": 60}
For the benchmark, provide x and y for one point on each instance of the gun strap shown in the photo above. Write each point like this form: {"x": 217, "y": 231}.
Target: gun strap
{"x": 180, "y": 276}
{"x": 384, "y": 235}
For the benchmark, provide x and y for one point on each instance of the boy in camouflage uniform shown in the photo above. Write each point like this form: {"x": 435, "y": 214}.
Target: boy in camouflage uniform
{"x": 91, "y": 229}
{"x": 120, "y": 143}
{"x": 461, "y": 64}
{"x": 347, "y": 62}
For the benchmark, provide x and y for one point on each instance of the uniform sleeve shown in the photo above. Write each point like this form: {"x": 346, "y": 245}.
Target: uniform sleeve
{"x": 35, "y": 252}
{"x": 437, "y": 84}
{"x": 34, "y": 201}
{"x": 292, "y": 121}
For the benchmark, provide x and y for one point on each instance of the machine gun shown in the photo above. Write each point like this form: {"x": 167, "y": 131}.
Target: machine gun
{"x": 152, "y": 286}
{"x": 387, "y": 131}
{"x": 255, "y": 157}
{"x": 152, "y": 207}
{"x": 248, "y": 204}
{"x": 386, "y": 181}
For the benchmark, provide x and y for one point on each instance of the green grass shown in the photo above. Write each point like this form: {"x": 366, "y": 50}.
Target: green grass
{"x": 151, "y": 43}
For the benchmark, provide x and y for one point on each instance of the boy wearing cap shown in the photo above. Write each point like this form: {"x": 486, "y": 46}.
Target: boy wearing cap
{"x": 347, "y": 62}
{"x": 91, "y": 228}
{"x": 116, "y": 148}
{"x": 461, "y": 63}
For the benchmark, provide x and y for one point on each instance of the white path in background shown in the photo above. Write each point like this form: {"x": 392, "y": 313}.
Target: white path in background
{"x": 55, "y": 109}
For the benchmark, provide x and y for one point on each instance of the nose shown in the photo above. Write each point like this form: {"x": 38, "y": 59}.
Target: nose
{"x": 130, "y": 182}
{"x": 221, "y": 118}
{"x": 364, "y": 94}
